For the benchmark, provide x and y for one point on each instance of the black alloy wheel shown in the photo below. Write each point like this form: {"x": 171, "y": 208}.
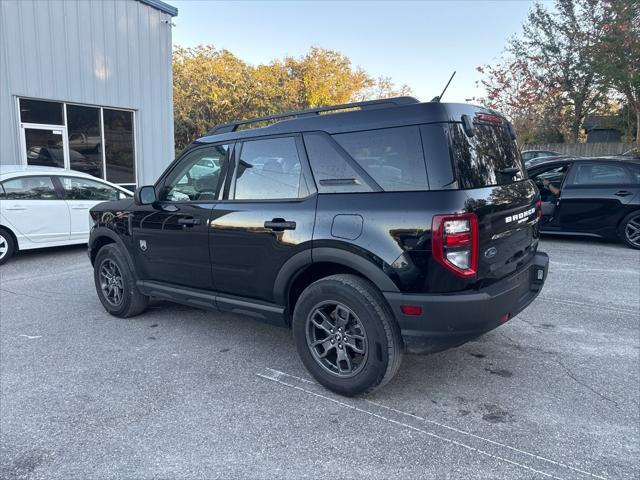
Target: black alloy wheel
{"x": 111, "y": 282}
{"x": 337, "y": 338}
{"x": 631, "y": 230}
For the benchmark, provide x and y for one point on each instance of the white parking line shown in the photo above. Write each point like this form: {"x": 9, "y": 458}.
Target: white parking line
{"x": 279, "y": 374}
{"x": 533, "y": 455}
{"x": 410, "y": 427}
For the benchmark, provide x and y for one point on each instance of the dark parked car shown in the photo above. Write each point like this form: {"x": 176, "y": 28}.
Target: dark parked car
{"x": 529, "y": 155}
{"x": 633, "y": 153}
{"x": 591, "y": 196}
{"x": 392, "y": 225}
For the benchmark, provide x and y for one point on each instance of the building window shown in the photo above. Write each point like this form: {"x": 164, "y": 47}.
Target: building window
{"x": 37, "y": 111}
{"x": 85, "y": 140}
{"x": 119, "y": 153}
{"x": 90, "y": 139}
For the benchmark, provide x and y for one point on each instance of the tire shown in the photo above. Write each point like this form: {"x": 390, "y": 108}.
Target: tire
{"x": 7, "y": 245}
{"x": 111, "y": 273}
{"x": 369, "y": 335}
{"x": 630, "y": 230}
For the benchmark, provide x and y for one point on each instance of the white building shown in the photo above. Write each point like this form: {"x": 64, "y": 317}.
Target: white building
{"x": 86, "y": 84}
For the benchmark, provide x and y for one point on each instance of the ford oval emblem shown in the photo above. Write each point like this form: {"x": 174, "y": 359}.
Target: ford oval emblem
{"x": 490, "y": 252}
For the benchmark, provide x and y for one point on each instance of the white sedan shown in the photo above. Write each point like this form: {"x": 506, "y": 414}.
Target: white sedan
{"x": 47, "y": 207}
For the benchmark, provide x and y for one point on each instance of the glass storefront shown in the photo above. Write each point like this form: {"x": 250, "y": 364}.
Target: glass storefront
{"x": 95, "y": 140}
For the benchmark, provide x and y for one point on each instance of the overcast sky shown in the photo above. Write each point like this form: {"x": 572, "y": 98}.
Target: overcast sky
{"x": 417, "y": 43}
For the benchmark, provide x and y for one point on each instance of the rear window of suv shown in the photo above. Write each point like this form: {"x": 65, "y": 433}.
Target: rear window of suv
{"x": 393, "y": 157}
{"x": 480, "y": 160}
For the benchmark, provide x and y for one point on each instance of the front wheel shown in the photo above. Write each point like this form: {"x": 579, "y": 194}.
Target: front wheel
{"x": 115, "y": 284}
{"x": 346, "y": 335}
{"x": 630, "y": 230}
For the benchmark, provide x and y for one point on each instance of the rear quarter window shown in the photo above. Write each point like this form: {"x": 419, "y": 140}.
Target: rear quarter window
{"x": 331, "y": 170}
{"x": 393, "y": 157}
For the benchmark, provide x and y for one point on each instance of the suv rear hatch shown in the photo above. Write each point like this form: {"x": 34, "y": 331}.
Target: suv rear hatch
{"x": 488, "y": 167}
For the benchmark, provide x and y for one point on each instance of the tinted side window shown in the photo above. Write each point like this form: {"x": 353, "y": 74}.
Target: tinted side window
{"x": 392, "y": 156}
{"x": 436, "y": 152}
{"x": 269, "y": 170}
{"x": 29, "y": 188}
{"x": 601, "y": 174}
{"x": 332, "y": 172}
{"x": 84, "y": 189}
{"x": 198, "y": 175}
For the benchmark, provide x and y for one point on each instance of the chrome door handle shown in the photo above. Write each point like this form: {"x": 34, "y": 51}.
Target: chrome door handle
{"x": 17, "y": 207}
{"x": 81, "y": 207}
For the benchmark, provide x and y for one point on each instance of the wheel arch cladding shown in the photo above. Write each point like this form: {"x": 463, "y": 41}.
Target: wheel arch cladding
{"x": 301, "y": 272}
{"x": 103, "y": 236}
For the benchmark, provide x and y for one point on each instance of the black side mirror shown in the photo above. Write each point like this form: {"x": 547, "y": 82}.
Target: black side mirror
{"x": 145, "y": 195}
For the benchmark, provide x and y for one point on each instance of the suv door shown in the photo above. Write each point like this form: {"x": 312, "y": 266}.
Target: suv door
{"x": 267, "y": 218}
{"x": 32, "y": 207}
{"x": 593, "y": 197}
{"x": 171, "y": 236}
{"x": 80, "y": 195}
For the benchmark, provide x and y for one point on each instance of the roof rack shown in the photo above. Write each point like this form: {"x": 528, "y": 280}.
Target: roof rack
{"x": 385, "y": 103}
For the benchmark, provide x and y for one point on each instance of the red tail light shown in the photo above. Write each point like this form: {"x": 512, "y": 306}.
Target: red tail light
{"x": 454, "y": 242}
{"x": 539, "y": 209}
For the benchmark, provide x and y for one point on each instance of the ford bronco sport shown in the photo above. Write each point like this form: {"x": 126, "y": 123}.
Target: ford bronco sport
{"x": 370, "y": 229}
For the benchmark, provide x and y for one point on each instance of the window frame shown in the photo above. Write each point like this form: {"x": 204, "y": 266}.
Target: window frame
{"x": 161, "y": 184}
{"x": 56, "y": 188}
{"x": 305, "y": 171}
{"x": 570, "y": 177}
{"x": 67, "y": 162}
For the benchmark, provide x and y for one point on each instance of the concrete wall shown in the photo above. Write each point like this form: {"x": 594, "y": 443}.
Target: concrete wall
{"x": 110, "y": 53}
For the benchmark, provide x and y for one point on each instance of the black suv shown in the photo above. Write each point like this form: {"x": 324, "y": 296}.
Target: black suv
{"x": 368, "y": 228}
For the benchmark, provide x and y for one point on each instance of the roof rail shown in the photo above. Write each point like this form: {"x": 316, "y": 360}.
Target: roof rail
{"x": 384, "y": 103}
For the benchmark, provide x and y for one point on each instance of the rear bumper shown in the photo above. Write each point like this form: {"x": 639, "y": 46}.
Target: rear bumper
{"x": 449, "y": 320}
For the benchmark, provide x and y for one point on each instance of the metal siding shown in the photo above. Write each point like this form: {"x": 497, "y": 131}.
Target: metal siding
{"x": 99, "y": 52}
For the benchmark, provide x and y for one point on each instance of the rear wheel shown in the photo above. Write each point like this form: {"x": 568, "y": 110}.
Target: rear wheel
{"x": 7, "y": 246}
{"x": 115, "y": 284}
{"x": 630, "y": 230}
{"x": 346, "y": 335}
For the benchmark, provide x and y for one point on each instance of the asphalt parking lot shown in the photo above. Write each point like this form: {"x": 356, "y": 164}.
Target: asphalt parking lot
{"x": 184, "y": 393}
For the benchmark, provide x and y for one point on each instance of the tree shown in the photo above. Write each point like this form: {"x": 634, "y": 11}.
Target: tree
{"x": 513, "y": 89}
{"x": 213, "y": 86}
{"x": 617, "y": 57}
{"x": 560, "y": 46}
